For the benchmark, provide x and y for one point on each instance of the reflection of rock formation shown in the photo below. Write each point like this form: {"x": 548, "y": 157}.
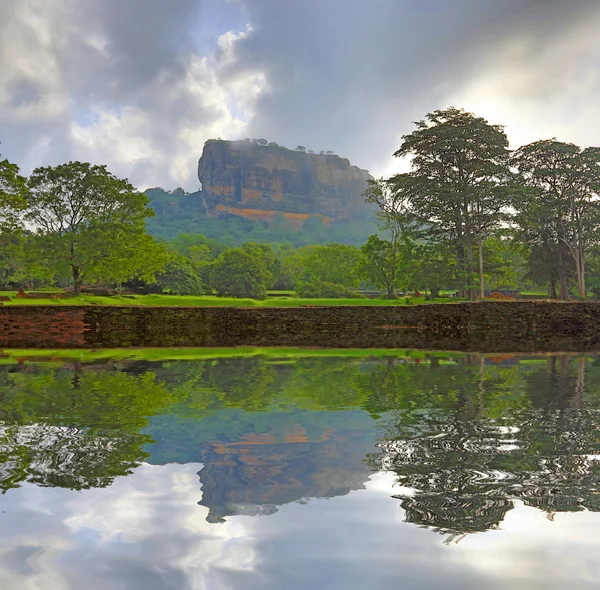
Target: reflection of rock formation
{"x": 259, "y": 182}
{"x": 259, "y": 473}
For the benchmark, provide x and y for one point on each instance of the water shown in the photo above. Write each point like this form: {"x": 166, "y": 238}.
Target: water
{"x": 275, "y": 471}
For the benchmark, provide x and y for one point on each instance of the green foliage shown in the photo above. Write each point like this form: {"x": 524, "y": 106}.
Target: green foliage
{"x": 86, "y": 219}
{"x": 180, "y": 276}
{"x": 380, "y": 264}
{"x": 316, "y": 289}
{"x": 458, "y": 179}
{"x": 75, "y": 429}
{"x": 13, "y": 193}
{"x": 332, "y": 263}
{"x": 186, "y": 214}
{"x": 559, "y": 209}
{"x": 239, "y": 273}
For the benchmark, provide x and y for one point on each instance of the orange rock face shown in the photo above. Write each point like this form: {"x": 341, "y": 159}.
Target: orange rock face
{"x": 259, "y": 182}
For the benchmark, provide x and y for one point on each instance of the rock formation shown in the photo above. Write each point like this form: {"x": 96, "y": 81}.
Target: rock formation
{"x": 261, "y": 181}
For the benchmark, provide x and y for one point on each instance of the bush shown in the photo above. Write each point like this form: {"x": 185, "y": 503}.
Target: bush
{"x": 324, "y": 290}
{"x": 180, "y": 277}
{"x": 239, "y": 273}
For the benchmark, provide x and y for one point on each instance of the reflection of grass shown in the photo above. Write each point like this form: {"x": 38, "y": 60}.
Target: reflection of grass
{"x": 211, "y": 300}
{"x": 10, "y": 356}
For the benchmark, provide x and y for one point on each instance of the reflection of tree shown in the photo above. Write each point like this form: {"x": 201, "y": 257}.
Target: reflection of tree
{"x": 465, "y": 437}
{"x": 73, "y": 428}
{"x": 463, "y": 467}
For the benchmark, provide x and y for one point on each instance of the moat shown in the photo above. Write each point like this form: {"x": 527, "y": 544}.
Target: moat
{"x": 297, "y": 469}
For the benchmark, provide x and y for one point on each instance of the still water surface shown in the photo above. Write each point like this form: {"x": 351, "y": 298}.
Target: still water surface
{"x": 259, "y": 472}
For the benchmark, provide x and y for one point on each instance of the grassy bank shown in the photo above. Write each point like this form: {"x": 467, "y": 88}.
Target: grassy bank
{"x": 210, "y": 300}
{"x": 12, "y": 356}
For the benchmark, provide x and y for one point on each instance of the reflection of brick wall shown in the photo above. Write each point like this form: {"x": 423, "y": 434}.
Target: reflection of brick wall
{"x": 486, "y": 327}
{"x": 41, "y": 327}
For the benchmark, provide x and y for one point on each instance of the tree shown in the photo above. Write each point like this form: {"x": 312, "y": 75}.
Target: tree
{"x": 457, "y": 161}
{"x": 12, "y": 196}
{"x": 239, "y": 273}
{"x": 380, "y": 265}
{"x": 180, "y": 276}
{"x": 86, "y": 217}
{"x": 502, "y": 262}
{"x": 138, "y": 257}
{"x": 434, "y": 265}
{"x": 400, "y": 227}
{"x": 300, "y": 148}
{"x": 561, "y": 211}
{"x": 332, "y": 263}
{"x": 265, "y": 254}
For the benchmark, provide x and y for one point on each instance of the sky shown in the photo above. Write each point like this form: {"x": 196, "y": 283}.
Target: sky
{"x": 140, "y": 85}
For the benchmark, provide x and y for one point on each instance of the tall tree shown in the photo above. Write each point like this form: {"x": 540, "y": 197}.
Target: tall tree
{"x": 457, "y": 160}
{"x": 561, "y": 209}
{"x": 400, "y": 228}
{"x": 85, "y": 215}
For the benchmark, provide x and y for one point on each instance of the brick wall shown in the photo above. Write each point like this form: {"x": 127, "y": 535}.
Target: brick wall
{"x": 487, "y": 326}
{"x": 42, "y": 327}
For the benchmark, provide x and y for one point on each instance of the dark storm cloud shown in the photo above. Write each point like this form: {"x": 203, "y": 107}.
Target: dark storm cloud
{"x": 351, "y": 75}
{"x": 107, "y": 79}
{"x": 141, "y": 84}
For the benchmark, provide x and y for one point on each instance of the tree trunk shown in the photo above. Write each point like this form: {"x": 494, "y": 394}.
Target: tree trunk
{"x": 481, "y": 283}
{"x": 435, "y": 292}
{"x": 76, "y": 280}
{"x": 471, "y": 290}
{"x": 583, "y": 287}
{"x": 553, "y": 294}
{"x": 564, "y": 287}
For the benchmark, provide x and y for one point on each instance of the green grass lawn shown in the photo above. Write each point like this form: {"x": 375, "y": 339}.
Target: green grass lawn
{"x": 211, "y": 300}
{"x": 12, "y": 356}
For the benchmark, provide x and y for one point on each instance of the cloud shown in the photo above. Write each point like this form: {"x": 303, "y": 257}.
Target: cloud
{"x": 119, "y": 83}
{"x": 147, "y": 531}
{"x": 352, "y": 76}
{"x": 141, "y": 84}
{"x": 144, "y": 531}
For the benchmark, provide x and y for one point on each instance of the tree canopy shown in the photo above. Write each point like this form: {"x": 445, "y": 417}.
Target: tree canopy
{"x": 86, "y": 217}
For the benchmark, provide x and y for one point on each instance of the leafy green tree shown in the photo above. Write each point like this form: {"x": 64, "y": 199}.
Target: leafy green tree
{"x": 434, "y": 265}
{"x": 139, "y": 258}
{"x": 265, "y": 253}
{"x": 380, "y": 264}
{"x": 86, "y": 217}
{"x": 180, "y": 276}
{"x": 316, "y": 289}
{"x": 561, "y": 211}
{"x": 503, "y": 263}
{"x": 239, "y": 273}
{"x": 13, "y": 191}
{"x": 459, "y": 164}
{"x": 332, "y": 263}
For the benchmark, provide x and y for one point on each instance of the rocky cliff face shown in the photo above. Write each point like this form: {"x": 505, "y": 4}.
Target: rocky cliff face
{"x": 259, "y": 182}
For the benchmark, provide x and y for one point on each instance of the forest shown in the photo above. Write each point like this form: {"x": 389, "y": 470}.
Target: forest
{"x": 471, "y": 216}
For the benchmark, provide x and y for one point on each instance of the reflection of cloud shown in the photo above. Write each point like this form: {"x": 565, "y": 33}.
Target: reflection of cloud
{"x": 145, "y": 531}
{"x": 148, "y": 532}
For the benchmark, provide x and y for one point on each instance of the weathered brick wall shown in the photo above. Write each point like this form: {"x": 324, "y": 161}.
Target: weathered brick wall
{"x": 488, "y": 326}
{"x": 42, "y": 327}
